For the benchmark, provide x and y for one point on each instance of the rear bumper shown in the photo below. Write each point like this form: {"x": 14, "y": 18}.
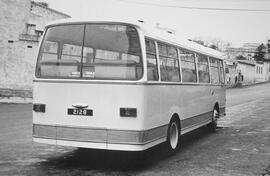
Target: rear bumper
{"x": 104, "y": 146}
{"x": 99, "y": 138}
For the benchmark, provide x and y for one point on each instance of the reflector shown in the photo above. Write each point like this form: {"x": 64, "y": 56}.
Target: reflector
{"x": 128, "y": 112}
{"x": 39, "y": 107}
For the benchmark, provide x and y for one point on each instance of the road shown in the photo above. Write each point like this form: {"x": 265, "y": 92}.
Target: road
{"x": 241, "y": 146}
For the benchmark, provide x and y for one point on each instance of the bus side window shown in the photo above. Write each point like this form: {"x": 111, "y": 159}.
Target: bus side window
{"x": 152, "y": 70}
{"x": 221, "y": 72}
{"x": 188, "y": 66}
{"x": 214, "y": 71}
{"x": 169, "y": 64}
{"x": 203, "y": 69}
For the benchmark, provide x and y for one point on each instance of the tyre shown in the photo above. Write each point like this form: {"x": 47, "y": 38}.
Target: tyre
{"x": 173, "y": 135}
{"x": 212, "y": 127}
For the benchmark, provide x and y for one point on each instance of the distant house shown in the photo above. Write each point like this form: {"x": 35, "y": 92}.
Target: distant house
{"x": 262, "y": 72}
{"x": 241, "y": 67}
{"x": 246, "y": 69}
{"x": 246, "y": 72}
{"x": 22, "y": 24}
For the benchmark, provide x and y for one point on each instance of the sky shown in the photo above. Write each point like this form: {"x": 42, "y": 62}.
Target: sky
{"x": 234, "y": 26}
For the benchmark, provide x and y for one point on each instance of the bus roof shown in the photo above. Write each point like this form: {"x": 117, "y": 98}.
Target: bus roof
{"x": 151, "y": 32}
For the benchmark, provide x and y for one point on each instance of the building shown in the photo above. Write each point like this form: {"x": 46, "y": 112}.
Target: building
{"x": 22, "y": 24}
{"x": 246, "y": 72}
{"x": 242, "y": 69}
{"x": 241, "y": 72}
{"x": 262, "y": 72}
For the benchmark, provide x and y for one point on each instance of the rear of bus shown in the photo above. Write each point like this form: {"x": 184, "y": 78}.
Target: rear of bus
{"x": 86, "y": 87}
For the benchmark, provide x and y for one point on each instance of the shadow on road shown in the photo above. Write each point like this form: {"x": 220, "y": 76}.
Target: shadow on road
{"x": 89, "y": 159}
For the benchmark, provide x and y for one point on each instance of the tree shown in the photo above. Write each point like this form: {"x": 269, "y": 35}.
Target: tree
{"x": 260, "y": 53}
{"x": 215, "y": 43}
{"x": 240, "y": 57}
{"x": 213, "y": 47}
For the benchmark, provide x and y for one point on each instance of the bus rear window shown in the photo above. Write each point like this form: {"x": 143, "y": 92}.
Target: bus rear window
{"x": 90, "y": 51}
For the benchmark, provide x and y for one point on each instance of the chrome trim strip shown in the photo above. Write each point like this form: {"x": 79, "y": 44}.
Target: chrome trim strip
{"x": 186, "y": 130}
{"x": 111, "y": 136}
{"x": 87, "y": 135}
{"x": 104, "y": 146}
{"x": 195, "y": 120}
{"x": 125, "y": 83}
{"x": 45, "y": 131}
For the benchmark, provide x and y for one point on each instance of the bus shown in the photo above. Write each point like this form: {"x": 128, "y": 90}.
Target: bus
{"x": 123, "y": 85}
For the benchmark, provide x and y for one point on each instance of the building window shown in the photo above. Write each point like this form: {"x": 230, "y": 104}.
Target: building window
{"x": 30, "y": 29}
{"x": 227, "y": 70}
{"x": 259, "y": 69}
{"x": 38, "y": 32}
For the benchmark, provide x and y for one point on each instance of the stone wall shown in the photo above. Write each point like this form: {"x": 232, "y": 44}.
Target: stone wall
{"x": 13, "y": 16}
{"x": 22, "y": 24}
{"x": 41, "y": 15}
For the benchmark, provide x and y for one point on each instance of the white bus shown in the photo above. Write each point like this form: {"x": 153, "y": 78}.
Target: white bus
{"x": 121, "y": 85}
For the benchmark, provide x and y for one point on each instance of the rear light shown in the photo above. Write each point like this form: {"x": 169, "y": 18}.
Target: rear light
{"x": 128, "y": 112}
{"x": 39, "y": 107}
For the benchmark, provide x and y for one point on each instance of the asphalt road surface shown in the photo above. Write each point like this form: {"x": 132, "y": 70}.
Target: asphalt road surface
{"x": 241, "y": 146}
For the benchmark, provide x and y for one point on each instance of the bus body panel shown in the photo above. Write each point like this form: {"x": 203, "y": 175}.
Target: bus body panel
{"x": 192, "y": 103}
{"x": 106, "y": 129}
{"x": 104, "y": 99}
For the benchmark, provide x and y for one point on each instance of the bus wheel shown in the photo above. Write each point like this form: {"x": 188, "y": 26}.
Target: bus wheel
{"x": 213, "y": 125}
{"x": 173, "y": 135}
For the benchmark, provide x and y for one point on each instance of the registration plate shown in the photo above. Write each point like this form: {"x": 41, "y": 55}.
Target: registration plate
{"x": 84, "y": 112}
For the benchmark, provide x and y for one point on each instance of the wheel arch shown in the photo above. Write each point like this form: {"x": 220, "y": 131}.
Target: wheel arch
{"x": 216, "y": 106}
{"x": 173, "y": 143}
{"x": 176, "y": 117}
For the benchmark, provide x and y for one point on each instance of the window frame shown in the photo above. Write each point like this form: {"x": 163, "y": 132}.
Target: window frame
{"x": 84, "y": 24}
{"x": 222, "y": 74}
{"x": 195, "y": 65}
{"x": 208, "y": 66}
{"x": 167, "y": 56}
{"x": 194, "y": 52}
{"x": 157, "y": 59}
{"x": 58, "y": 52}
{"x": 219, "y": 68}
